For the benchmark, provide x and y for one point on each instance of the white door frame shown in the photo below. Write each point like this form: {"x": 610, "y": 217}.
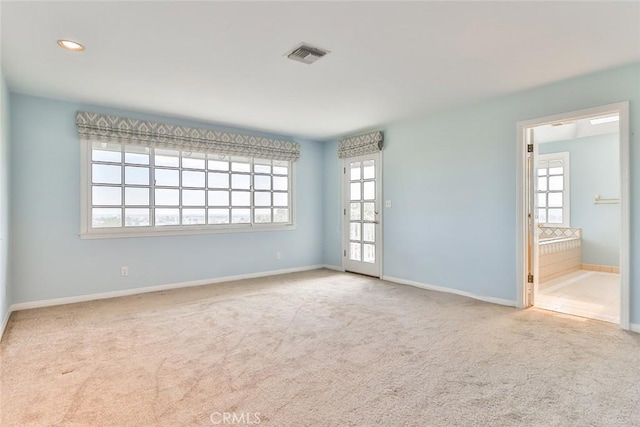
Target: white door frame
{"x": 622, "y": 108}
{"x": 380, "y": 204}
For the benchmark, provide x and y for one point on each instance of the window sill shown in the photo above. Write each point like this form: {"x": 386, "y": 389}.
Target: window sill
{"x": 181, "y": 232}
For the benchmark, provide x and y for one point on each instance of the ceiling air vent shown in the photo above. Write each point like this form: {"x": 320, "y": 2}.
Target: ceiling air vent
{"x": 306, "y": 54}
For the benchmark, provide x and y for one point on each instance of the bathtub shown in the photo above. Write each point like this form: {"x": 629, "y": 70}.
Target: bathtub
{"x": 559, "y": 252}
{"x": 550, "y": 240}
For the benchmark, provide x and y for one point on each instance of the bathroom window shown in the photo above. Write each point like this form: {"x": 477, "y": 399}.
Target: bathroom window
{"x": 552, "y": 189}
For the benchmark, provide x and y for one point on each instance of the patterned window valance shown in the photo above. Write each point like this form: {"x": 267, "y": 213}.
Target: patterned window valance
{"x": 360, "y": 145}
{"x": 97, "y": 127}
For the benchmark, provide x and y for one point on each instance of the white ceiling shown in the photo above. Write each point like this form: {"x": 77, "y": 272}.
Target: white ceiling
{"x": 573, "y": 129}
{"x": 223, "y": 62}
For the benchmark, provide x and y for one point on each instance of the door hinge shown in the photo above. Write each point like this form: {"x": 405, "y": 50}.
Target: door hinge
{"x": 530, "y": 278}
{"x": 345, "y": 212}
{"x": 529, "y": 148}
{"x": 344, "y": 171}
{"x": 345, "y": 252}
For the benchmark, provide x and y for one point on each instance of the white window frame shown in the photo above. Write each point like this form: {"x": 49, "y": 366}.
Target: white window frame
{"x": 88, "y": 232}
{"x": 566, "y": 192}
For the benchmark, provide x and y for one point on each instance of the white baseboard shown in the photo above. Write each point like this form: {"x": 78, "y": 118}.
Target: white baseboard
{"x": 114, "y": 294}
{"x": 5, "y": 321}
{"x": 147, "y": 289}
{"x": 333, "y": 267}
{"x": 492, "y": 300}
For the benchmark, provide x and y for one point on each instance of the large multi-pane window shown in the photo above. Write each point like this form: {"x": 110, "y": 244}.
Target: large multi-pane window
{"x": 145, "y": 189}
{"x": 552, "y": 189}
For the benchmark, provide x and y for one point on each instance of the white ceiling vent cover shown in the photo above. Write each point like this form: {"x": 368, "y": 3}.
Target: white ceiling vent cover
{"x": 306, "y": 54}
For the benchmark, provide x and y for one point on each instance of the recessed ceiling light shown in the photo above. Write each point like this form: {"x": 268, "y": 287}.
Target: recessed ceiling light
{"x": 601, "y": 120}
{"x": 70, "y": 45}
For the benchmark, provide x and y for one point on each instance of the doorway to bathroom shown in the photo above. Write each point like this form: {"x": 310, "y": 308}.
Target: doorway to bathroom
{"x": 574, "y": 213}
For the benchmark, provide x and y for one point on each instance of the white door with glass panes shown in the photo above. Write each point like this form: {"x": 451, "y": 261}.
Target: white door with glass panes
{"x": 362, "y": 215}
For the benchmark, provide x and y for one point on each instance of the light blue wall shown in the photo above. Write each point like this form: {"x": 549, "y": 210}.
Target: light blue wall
{"x": 332, "y": 205}
{"x": 595, "y": 169}
{"x": 451, "y": 178}
{"x": 51, "y": 261}
{"x": 5, "y": 291}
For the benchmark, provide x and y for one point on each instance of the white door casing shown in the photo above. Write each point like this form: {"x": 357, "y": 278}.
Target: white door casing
{"x": 523, "y": 205}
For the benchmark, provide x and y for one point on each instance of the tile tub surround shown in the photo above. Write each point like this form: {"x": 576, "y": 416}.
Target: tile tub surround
{"x": 558, "y": 232}
{"x": 559, "y": 253}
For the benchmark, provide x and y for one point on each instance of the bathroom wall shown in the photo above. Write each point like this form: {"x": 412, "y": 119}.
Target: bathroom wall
{"x": 595, "y": 170}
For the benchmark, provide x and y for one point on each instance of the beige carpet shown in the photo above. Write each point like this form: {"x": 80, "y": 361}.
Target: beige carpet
{"x": 314, "y": 349}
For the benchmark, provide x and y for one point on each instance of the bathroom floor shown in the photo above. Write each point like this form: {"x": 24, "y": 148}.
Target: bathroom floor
{"x": 584, "y": 293}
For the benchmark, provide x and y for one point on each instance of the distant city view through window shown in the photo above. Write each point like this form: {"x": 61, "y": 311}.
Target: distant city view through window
{"x": 144, "y": 188}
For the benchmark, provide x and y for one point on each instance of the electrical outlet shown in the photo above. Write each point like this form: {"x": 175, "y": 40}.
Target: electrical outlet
{"x": 387, "y": 203}
{"x": 278, "y": 255}
{"x": 124, "y": 271}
